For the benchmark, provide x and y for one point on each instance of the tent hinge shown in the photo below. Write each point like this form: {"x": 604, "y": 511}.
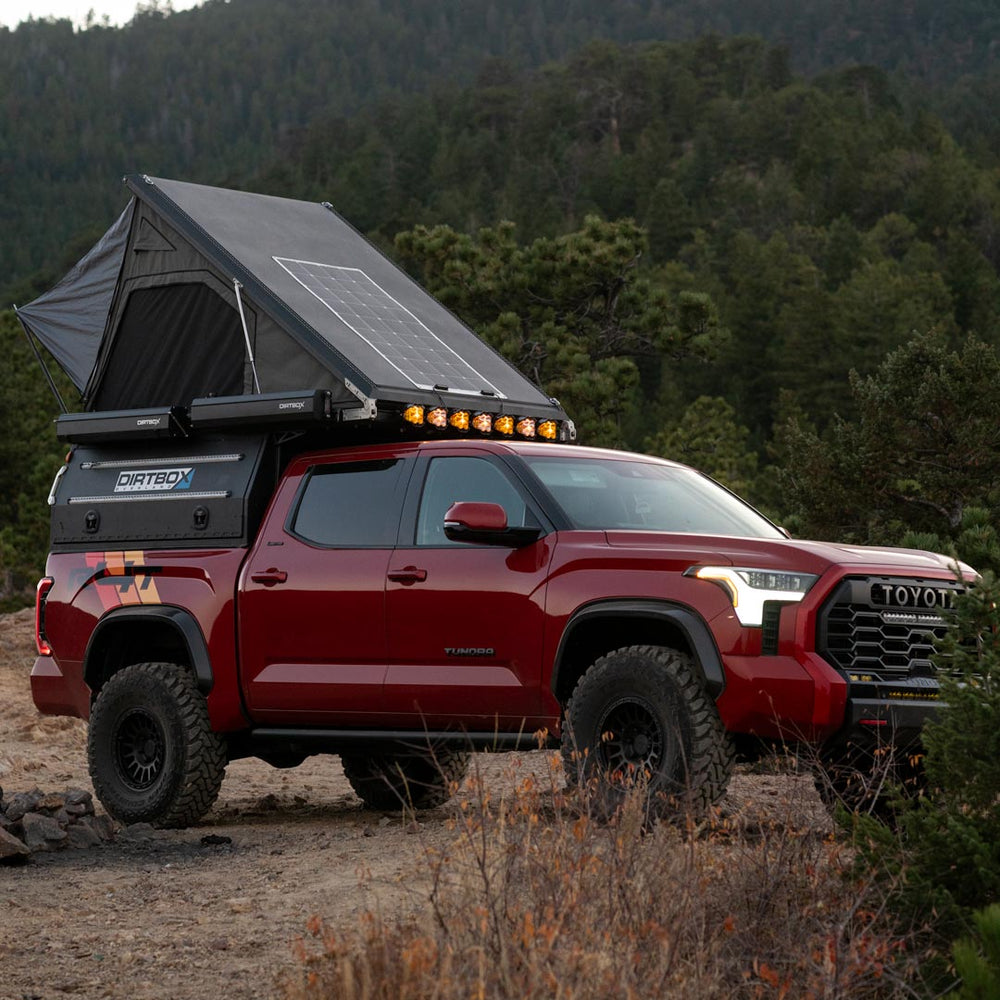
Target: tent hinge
{"x": 368, "y": 409}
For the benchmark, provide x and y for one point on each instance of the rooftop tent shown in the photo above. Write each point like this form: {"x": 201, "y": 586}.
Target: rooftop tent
{"x": 198, "y": 291}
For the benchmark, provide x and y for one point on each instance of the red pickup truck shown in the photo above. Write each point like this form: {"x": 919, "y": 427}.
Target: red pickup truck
{"x": 403, "y": 604}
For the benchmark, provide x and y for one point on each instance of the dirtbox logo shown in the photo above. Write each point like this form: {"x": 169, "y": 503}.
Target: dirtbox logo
{"x": 154, "y": 480}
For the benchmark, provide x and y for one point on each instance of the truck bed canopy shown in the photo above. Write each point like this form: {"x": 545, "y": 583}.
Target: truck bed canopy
{"x": 198, "y": 291}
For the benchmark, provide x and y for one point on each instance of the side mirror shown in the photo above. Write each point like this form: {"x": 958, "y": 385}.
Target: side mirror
{"x": 486, "y": 524}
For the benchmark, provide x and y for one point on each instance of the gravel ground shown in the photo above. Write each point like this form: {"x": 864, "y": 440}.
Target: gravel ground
{"x": 179, "y": 914}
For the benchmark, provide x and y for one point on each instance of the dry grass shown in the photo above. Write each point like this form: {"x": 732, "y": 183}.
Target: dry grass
{"x": 538, "y": 898}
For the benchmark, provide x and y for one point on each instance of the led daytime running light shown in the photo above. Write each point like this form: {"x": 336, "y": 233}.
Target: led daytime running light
{"x": 749, "y": 589}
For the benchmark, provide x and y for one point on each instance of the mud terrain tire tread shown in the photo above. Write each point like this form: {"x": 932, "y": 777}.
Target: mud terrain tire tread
{"x": 418, "y": 780}
{"x": 665, "y": 683}
{"x": 194, "y": 758}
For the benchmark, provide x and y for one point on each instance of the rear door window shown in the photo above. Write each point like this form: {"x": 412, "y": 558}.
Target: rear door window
{"x": 351, "y": 505}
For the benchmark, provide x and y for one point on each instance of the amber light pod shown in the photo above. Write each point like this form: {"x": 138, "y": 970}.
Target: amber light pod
{"x": 414, "y": 414}
{"x": 526, "y": 427}
{"x": 483, "y": 422}
{"x": 548, "y": 429}
{"x": 504, "y": 425}
{"x": 438, "y": 417}
{"x": 459, "y": 419}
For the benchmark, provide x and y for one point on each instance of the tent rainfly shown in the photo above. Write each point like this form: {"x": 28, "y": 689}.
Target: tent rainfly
{"x": 199, "y": 292}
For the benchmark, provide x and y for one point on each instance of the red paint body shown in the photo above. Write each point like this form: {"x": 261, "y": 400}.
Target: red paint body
{"x": 403, "y": 636}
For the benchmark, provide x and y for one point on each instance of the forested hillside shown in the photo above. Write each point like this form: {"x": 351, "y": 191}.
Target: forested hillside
{"x": 825, "y": 223}
{"x": 691, "y": 243}
{"x": 213, "y": 93}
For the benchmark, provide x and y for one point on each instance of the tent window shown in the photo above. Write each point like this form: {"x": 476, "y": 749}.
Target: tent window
{"x": 174, "y": 343}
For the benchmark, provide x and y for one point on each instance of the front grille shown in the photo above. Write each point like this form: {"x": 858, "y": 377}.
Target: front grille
{"x": 884, "y": 627}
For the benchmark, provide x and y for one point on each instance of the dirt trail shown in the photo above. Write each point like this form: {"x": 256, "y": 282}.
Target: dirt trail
{"x": 160, "y": 914}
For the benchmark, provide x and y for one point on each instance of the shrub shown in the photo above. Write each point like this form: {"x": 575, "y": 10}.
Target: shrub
{"x": 536, "y": 898}
{"x": 944, "y": 856}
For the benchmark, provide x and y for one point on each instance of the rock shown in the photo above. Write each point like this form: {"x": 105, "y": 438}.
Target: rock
{"x": 215, "y": 839}
{"x": 78, "y": 797}
{"x": 49, "y": 804}
{"x": 12, "y": 850}
{"x": 79, "y": 836}
{"x": 20, "y": 803}
{"x": 78, "y": 809}
{"x": 42, "y": 833}
{"x": 101, "y": 825}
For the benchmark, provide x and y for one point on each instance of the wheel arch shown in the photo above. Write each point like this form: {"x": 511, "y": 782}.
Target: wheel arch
{"x": 596, "y": 629}
{"x": 147, "y": 633}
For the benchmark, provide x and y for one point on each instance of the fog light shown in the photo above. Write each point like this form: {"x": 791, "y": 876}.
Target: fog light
{"x": 483, "y": 422}
{"x": 526, "y": 427}
{"x": 414, "y": 414}
{"x": 504, "y": 425}
{"x": 548, "y": 429}
{"x": 459, "y": 419}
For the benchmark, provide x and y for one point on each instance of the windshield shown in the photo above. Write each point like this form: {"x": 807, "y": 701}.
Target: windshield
{"x": 606, "y": 494}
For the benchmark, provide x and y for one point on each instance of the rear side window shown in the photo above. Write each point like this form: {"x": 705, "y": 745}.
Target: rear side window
{"x": 351, "y": 505}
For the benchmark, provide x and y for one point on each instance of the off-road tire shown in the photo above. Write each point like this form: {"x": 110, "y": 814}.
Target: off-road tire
{"x": 641, "y": 715}
{"x": 153, "y": 756}
{"x": 415, "y": 780}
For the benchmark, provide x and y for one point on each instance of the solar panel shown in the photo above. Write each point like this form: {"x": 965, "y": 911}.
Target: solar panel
{"x": 388, "y": 327}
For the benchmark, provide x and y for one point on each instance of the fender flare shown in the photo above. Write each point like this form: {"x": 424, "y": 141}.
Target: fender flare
{"x": 181, "y": 621}
{"x": 708, "y": 660}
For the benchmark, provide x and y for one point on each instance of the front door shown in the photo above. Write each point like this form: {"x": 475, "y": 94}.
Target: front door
{"x": 465, "y": 620}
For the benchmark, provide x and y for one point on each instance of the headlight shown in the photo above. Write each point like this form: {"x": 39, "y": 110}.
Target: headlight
{"x": 748, "y": 589}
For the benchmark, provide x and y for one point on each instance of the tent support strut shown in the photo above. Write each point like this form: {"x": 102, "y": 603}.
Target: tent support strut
{"x": 41, "y": 363}
{"x": 246, "y": 335}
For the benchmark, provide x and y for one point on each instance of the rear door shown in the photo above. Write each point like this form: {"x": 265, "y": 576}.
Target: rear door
{"x": 466, "y": 621}
{"x": 312, "y": 600}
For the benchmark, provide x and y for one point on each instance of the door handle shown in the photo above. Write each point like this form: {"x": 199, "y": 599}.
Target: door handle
{"x": 269, "y": 577}
{"x": 408, "y": 574}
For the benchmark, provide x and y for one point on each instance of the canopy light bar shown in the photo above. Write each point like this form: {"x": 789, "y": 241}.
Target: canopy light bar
{"x": 484, "y": 422}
